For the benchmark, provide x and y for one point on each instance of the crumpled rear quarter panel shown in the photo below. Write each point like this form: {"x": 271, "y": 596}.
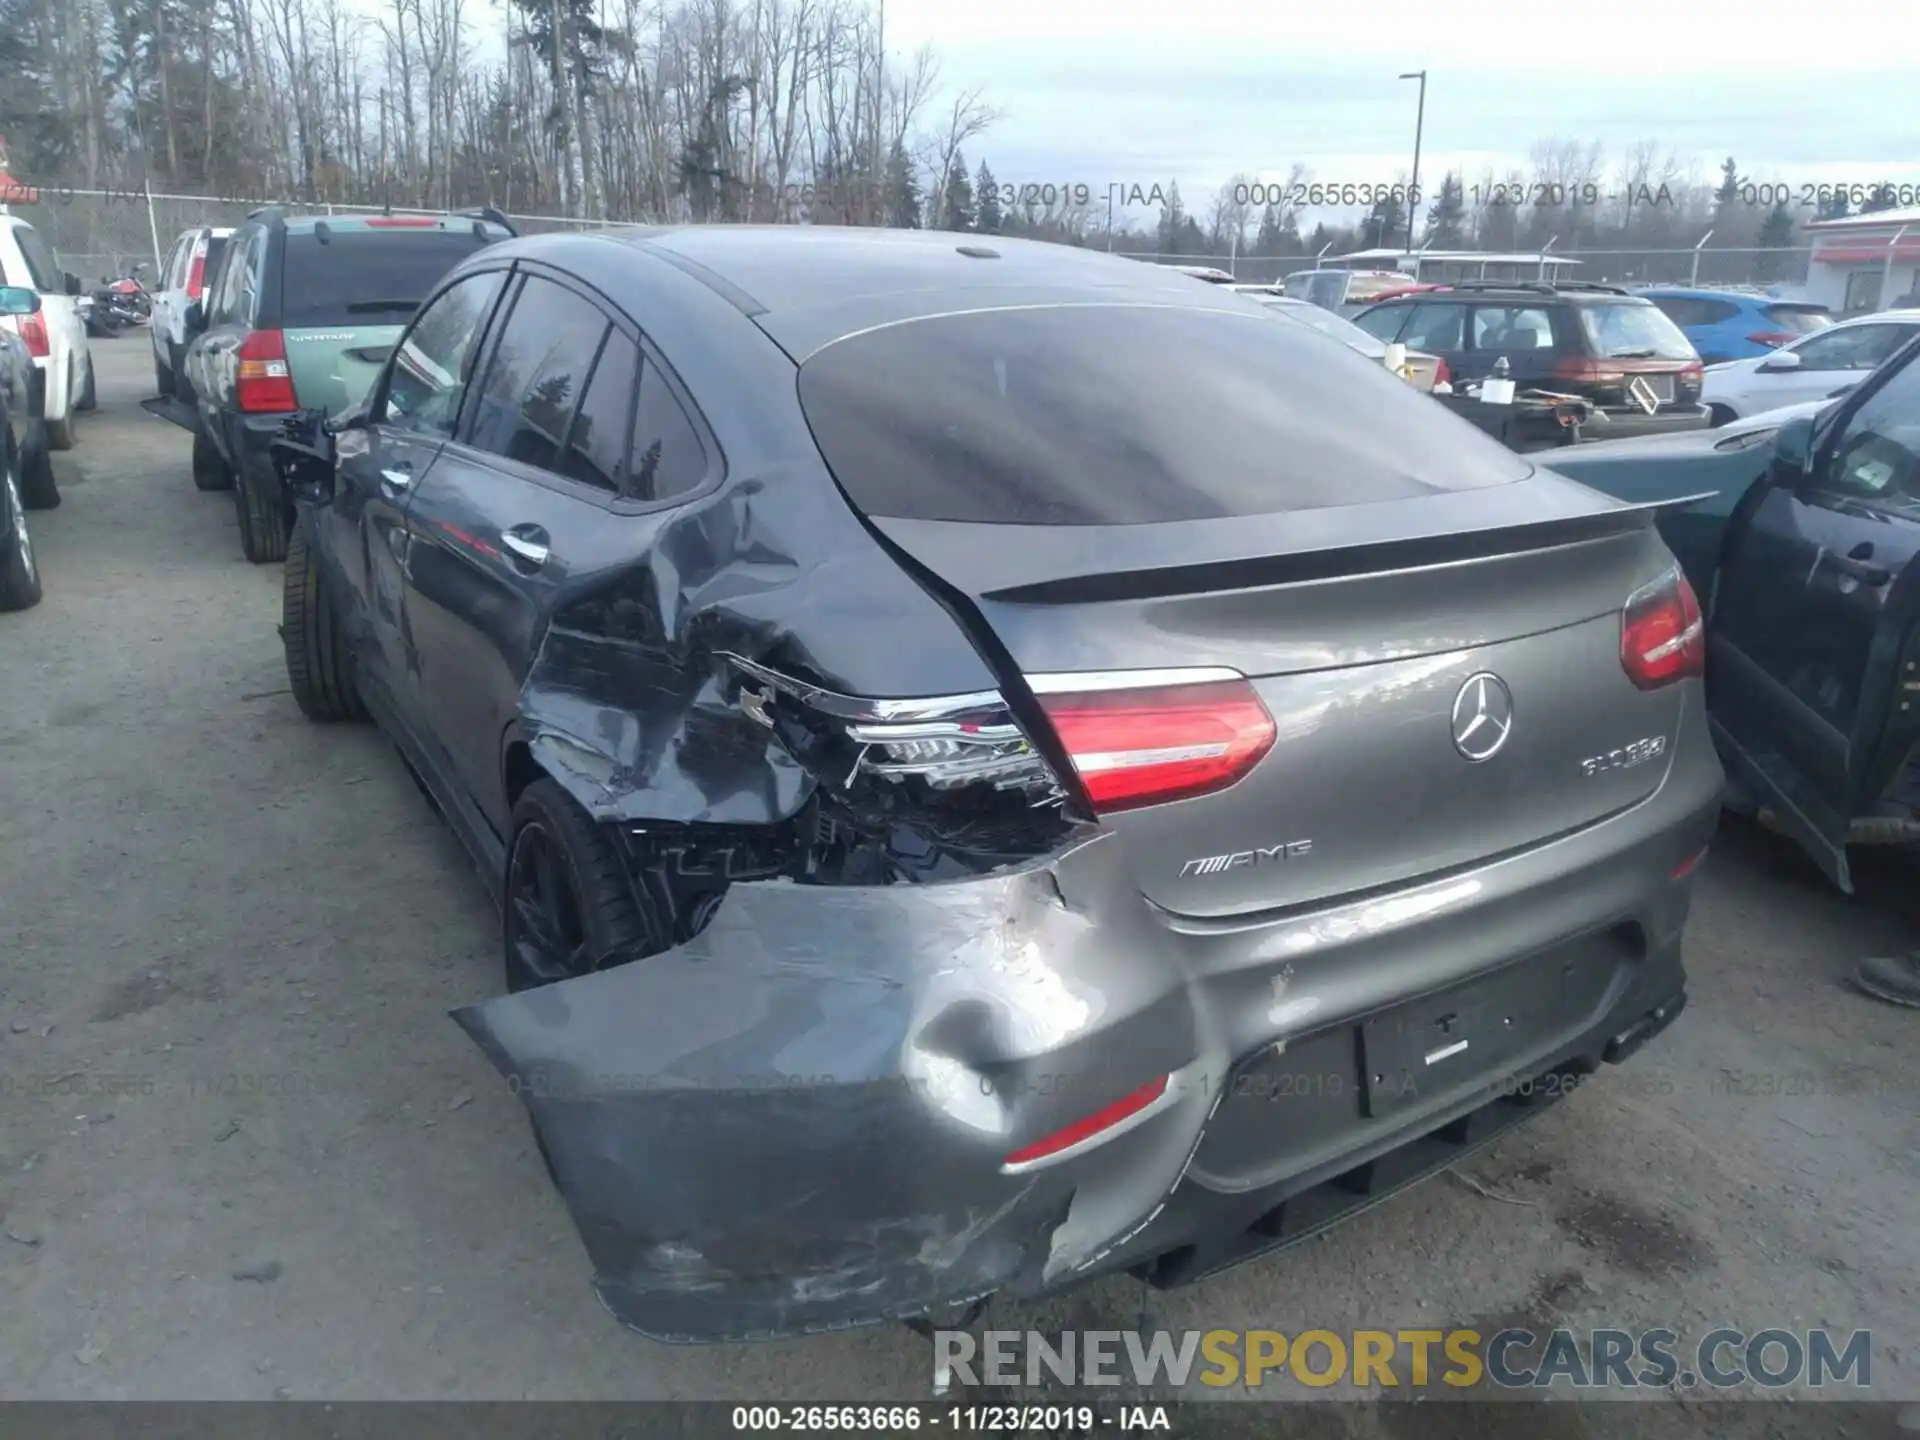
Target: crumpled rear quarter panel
{"x": 796, "y": 1120}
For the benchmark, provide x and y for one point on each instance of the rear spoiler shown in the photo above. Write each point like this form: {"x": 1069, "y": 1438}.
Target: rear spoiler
{"x": 1340, "y": 562}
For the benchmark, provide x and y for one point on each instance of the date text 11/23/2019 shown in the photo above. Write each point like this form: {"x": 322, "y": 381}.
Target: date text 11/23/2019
{"x": 961, "y": 1419}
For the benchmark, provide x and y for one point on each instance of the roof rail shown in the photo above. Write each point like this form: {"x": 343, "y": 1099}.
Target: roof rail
{"x": 1539, "y": 287}
{"x": 491, "y": 216}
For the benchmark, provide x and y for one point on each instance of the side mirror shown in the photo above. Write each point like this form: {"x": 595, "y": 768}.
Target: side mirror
{"x": 71, "y": 281}
{"x": 19, "y": 300}
{"x": 1785, "y": 360}
{"x": 303, "y": 457}
{"x": 1792, "y": 452}
{"x": 195, "y": 319}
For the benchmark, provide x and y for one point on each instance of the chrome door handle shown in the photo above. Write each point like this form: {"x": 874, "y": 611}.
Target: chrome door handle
{"x": 522, "y": 543}
{"x": 397, "y": 479}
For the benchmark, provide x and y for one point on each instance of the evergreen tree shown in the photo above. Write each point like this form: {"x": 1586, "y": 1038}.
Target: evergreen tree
{"x": 1776, "y": 234}
{"x": 986, "y": 201}
{"x": 903, "y": 190}
{"x": 1880, "y": 197}
{"x": 957, "y": 212}
{"x": 1833, "y": 206}
{"x": 1447, "y": 219}
{"x": 1173, "y": 221}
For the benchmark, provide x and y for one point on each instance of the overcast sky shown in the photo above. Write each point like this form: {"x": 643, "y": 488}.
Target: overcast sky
{"x": 1134, "y": 91}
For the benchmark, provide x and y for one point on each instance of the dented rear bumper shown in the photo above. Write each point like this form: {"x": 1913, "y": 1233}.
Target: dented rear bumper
{"x": 800, "y": 1119}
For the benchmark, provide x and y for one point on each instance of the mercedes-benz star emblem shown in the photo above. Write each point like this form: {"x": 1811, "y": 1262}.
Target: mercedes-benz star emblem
{"x": 1482, "y": 716}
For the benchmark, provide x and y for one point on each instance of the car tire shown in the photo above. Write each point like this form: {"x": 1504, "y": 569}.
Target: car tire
{"x": 162, "y": 378}
{"x": 19, "y": 571}
{"x": 60, "y": 434}
{"x": 210, "y": 471}
{"x": 37, "y": 486}
{"x": 89, "y": 398}
{"x": 263, "y": 529}
{"x": 318, "y": 671}
{"x": 553, "y": 840}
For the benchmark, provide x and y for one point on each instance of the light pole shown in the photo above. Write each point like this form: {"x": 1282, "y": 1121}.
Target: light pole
{"x": 1419, "y": 124}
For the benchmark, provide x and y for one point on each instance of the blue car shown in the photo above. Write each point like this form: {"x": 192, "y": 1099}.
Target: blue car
{"x": 1735, "y": 324}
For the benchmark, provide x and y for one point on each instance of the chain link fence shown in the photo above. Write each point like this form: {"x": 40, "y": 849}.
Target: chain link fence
{"x": 104, "y": 232}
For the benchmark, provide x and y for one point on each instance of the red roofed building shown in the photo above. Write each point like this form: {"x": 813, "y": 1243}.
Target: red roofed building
{"x": 1865, "y": 262}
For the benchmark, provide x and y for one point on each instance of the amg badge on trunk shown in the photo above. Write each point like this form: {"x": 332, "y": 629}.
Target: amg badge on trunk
{"x": 1262, "y": 855}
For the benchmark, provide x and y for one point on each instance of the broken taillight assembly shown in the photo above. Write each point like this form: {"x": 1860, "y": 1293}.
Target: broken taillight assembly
{"x": 1663, "y": 637}
{"x": 1137, "y": 741}
{"x": 947, "y": 742}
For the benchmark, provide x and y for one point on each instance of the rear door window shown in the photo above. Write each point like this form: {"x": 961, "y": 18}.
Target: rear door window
{"x": 1507, "y": 328}
{"x": 366, "y": 277}
{"x": 596, "y": 448}
{"x": 1126, "y": 415}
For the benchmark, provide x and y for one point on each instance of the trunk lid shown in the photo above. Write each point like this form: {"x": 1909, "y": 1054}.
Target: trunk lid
{"x": 1111, "y": 488}
{"x": 1369, "y": 662}
{"x": 333, "y": 366}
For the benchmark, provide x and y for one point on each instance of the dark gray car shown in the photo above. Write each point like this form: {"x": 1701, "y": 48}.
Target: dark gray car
{"x": 998, "y": 764}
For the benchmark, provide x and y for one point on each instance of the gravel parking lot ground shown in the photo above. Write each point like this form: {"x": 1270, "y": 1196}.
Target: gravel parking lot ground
{"x": 244, "y": 1153}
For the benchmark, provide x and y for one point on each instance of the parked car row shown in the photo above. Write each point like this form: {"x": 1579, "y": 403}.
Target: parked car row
{"x": 284, "y": 313}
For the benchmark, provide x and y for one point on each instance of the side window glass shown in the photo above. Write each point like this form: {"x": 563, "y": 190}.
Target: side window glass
{"x": 1877, "y": 455}
{"x": 596, "y": 448}
{"x": 1681, "y": 311}
{"x": 1383, "y": 324}
{"x": 1511, "y": 327}
{"x": 42, "y": 268}
{"x": 428, "y": 374}
{"x": 222, "y": 309}
{"x": 668, "y": 458}
{"x": 533, "y": 382}
{"x": 1857, "y": 347}
{"x": 1435, "y": 328}
{"x": 1712, "y": 312}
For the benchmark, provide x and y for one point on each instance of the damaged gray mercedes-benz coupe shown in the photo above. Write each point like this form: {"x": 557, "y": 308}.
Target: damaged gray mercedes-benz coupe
{"x": 999, "y": 764}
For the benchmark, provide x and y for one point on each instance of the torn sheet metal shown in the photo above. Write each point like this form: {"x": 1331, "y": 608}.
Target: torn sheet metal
{"x": 796, "y": 1121}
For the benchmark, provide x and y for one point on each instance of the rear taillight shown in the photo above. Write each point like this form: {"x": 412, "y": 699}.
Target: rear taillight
{"x": 1145, "y": 745}
{"x": 197, "y": 274}
{"x": 262, "y": 383}
{"x": 33, "y": 330}
{"x": 1772, "y": 338}
{"x": 1592, "y": 372}
{"x": 1442, "y": 375}
{"x": 1662, "y": 635}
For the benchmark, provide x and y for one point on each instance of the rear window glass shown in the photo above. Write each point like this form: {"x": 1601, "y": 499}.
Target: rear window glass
{"x": 1633, "y": 330}
{"x": 1126, "y": 415}
{"x": 367, "y": 277}
{"x": 216, "y": 247}
{"x": 1799, "y": 319}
